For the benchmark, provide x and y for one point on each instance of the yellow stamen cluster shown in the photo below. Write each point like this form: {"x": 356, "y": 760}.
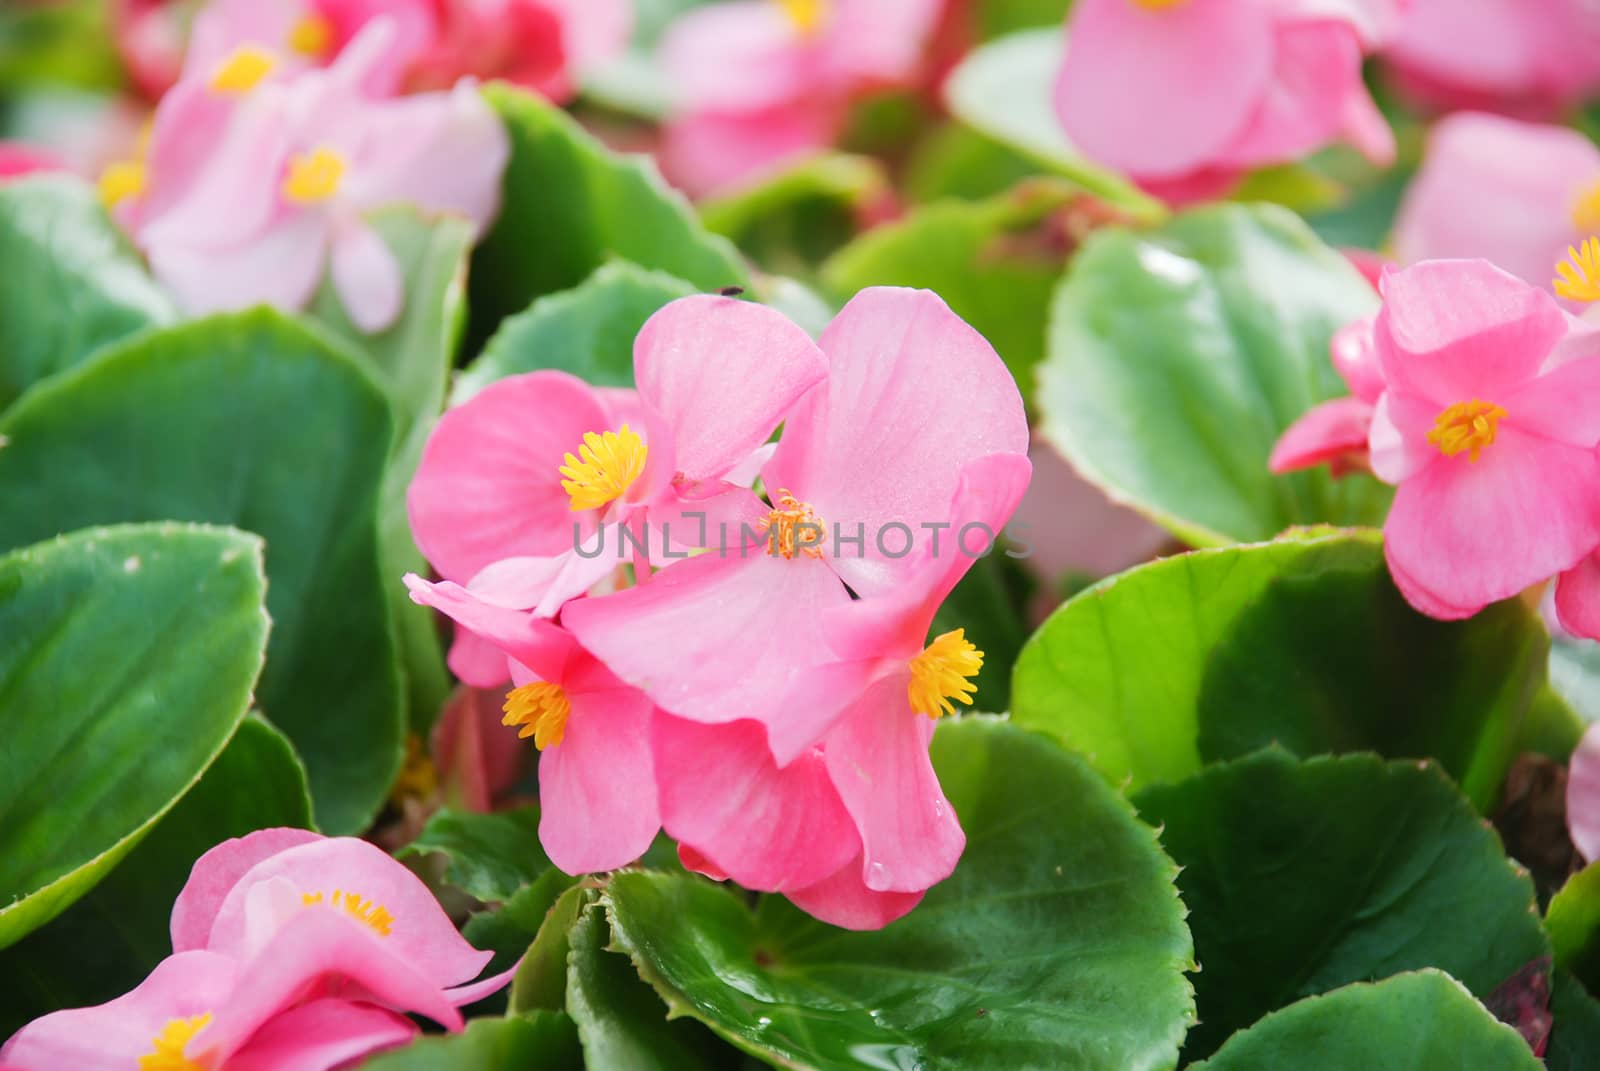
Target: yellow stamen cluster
{"x": 167, "y": 1049}
{"x": 314, "y": 177}
{"x": 419, "y": 778}
{"x": 312, "y": 36}
{"x": 362, "y": 910}
{"x": 244, "y": 69}
{"x": 942, "y": 672}
{"x": 808, "y": 16}
{"x": 798, "y": 529}
{"x": 121, "y": 181}
{"x": 541, "y": 709}
{"x": 1579, "y": 278}
{"x": 1466, "y": 426}
{"x": 604, "y": 469}
{"x": 1158, "y": 5}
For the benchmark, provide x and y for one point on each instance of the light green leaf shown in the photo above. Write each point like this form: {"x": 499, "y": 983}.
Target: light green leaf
{"x": 127, "y": 656}
{"x": 1177, "y": 357}
{"x": 800, "y": 215}
{"x": 545, "y": 1041}
{"x": 1058, "y": 941}
{"x": 1573, "y": 920}
{"x": 252, "y": 421}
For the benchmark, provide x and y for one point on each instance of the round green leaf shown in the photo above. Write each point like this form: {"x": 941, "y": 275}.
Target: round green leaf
{"x": 569, "y": 205}
{"x": 72, "y": 284}
{"x": 252, "y": 421}
{"x": 587, "y": 331}
{"x": 127, "y": 656}
{"x": 1178, "y": 356}
{"x": 1189, "y": 659}
{"x": 543, "y": 1041}
{"x": 107, "y": 942}
{"x": 1573, "y": 919}
{"x": 1301, "y": 877}
{"x": 1423, "y": 1021}
{"x": 1058, "y": 941}
{"x": 1003, "y": 90}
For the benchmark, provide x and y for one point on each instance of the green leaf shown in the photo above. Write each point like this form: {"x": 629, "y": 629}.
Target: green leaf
{"x": 587, "y": 331}
{"x": 1423, "y": 1021}
{"x": 509, "y": 929}
{"x": 990, "y": 603}
{"x": 800, "y": 215}
{"x": 1575, "y": 674}
{"x": 1575, "y": 1038}
{"x": 1177, "y": 357}
{"x": 107, "y": 942}
{"x": 541, "y": 980}
{"x": 1003, "y": 90}
{"x": 995, "y": 262}
{"x": 1188, "y": 660}
{"x": 127, "y": 656}
{"x": 1301, "y": 877}
{"x": 997, "y": 17}
{"x": 545, "y": 1041}
{"x": 1058, "y": 941}
{"x": 1573, "y": 921}
{"x": 570, "y": 205}
{"x": 490, "y": 856}
{"x": 72, "y": 283}
{"x": 957, "y": 161}
{"x": 252, "y": 421}
{"x": 621, "y": 1022}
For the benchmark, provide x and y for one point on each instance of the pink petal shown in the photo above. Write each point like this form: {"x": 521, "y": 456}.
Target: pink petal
{"x": 216, "y": 873}
{"x": 1355, "y": 358}
{"x": 713, "y": 153}
{"x": 1325, "y": 433}
{"x": 281, "y": 268}
{"x": 322, "y": 1035}
{"x": 1457, "y": 330}
{"x": 544, "y": 585}
{"x": 722, "y": 374}
{"x": 367, "y": 277}
{"x": 1143, "y": 91}
{"x": 1316, "y": 73}
{"x": 1583, "y": 795}
{"x": 766, "y": 828}
{"x": 878, "y": 42}
{"x": 517, "y": 634}
{"x": 913, "y": 395}
{"x": 113, "y": 1036}
{"x": 1470, "y": 533}
{"x": 224, "y": 25}
{"x": 489, "y": 484}
{"x": 478, "y": 759}
{"x": 421, "y": 934}
{"x": 1426, "y": 602}
{"x": 844, "y": 900}
{"x": 737, "y": 58}
{"x": 1397, "y": 442}
{"x": 594, "y": 30}
{"x": 475, "y": 661}
{"x": 878, "y": 759}
{"x": 597, "y": 788}
{"x": 1563, "y": 404}
{"x": 1578, "y": 598}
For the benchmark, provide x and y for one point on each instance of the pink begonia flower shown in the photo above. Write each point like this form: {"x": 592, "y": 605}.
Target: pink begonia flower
{"x": 516, "y": 480}
{"x": 876, "y": 451}
{"x": 1185, "y": 96}
{"x": 478, "y": 763}
{"x": 597, "y": 784}
{"x": 1335, "y": 432}
{"x": 1512, "y": 56}
{"x": 760, "y": 84}
{"x": 855, "y": 828}
{"x": 1488, "y": 425}
{"x": 542, "y": 45}
{"x": 1583, "y": 796}
{"x": 1516, "y": 194}
{"x": 290, "y": 950}
{"x": 19, "y": 158}
{"x": 284, "y": 188}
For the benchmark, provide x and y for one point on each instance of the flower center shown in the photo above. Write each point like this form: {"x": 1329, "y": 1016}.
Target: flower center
{"x": 604, "y": 469}
{"x": 808, "y": 16}
{"x": 314, "y": 177}
{"x": 1466, "y": 426}
{"x": 121, "y": 181}
{"x": 1158, "y": 5}
{"x": 541, "y": 709}
{"x": 311, "y": 36}
{"x": 1578, "y": 278}
{"x": 243, "y": 70}
{"x": 167, "y": 1049}
{"x": 943, "y": 672}
{"x": 375, "y": 916}
{"x": 792, "y": 528}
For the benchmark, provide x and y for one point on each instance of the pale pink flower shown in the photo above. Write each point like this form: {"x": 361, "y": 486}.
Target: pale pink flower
{"x": 1335, "y": 432}
{"x": 19, "y": 158}
{"x": 1583, "y": 796}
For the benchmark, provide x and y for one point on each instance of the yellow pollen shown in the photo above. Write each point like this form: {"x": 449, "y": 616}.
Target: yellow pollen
{"x": 419, "y": 778}
{"x": 609, "y": 464}
{"x": 243, "y": 70}
{"x": 808, "y": 16}
{"x": 799, "y": 529}
{"x": 314, "y": 177}
{"x": 1466, "y": 426}
{"x": 1158, "y": 5}
{"x": 1579, "y": 280}
{"x": 121, "y": 181}
{"x": 311, "y": 36}
{"x": 943, "y": 672}
{"x": 375, "y": 916}
{"x": 541, "y": 709}
{"x": 167, "y": 1051}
